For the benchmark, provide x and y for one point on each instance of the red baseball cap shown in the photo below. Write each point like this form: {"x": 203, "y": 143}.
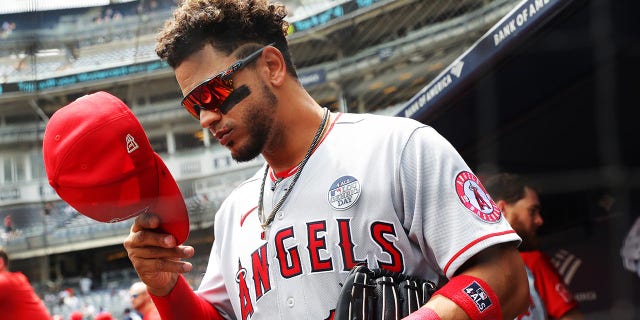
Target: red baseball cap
{"x": 99, "y": 161}
{"x": 76, "y": 315}
{"x": 103, "y": 316}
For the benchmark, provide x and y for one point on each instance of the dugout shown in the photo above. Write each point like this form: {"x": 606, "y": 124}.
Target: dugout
{"x": 551, "y": 92}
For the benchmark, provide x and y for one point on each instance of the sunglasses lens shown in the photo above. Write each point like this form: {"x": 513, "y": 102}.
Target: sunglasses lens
{"x": 192, "y": 108}
{"x": 208, "y": 96}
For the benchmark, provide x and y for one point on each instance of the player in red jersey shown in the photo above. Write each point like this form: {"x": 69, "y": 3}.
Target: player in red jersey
{"x": 549, "y": 296}
{"x": 17, "y": 298}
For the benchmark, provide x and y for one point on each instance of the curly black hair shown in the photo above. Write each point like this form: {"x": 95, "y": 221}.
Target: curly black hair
{"x": 506, "y": 186}
{"x": 226, "y": 25}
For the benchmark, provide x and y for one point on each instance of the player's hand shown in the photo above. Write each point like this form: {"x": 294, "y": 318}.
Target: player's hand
{"x": 155, "y": 256}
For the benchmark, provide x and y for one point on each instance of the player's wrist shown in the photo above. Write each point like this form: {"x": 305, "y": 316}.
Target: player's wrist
{"x": 473, "y": 295}
{"x": 166, "y": 289}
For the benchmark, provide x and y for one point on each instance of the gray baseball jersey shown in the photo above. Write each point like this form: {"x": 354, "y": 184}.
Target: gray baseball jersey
{"x": 386, "y": 191}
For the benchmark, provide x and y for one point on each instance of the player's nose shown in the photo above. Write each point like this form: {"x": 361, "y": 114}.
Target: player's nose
{"x": 538, "y": 220}
{"x": 209, "y": 117}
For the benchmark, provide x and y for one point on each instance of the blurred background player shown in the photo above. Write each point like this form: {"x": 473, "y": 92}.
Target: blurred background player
{"x": 142, "y": 303}
{"x": 18, "y": 300}
{"x": 8, "y": 224}
{"x": 129, "y": 314}
{"x": 520, "y": 204}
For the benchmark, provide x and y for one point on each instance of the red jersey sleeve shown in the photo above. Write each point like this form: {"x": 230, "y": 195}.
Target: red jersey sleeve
{"x": 183, "y": 303}
{"x": 549, "y": 284}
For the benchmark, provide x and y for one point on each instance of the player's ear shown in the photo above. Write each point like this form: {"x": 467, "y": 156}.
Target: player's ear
{"x": 502, "y": 205}
{"x": 275, "y": 65}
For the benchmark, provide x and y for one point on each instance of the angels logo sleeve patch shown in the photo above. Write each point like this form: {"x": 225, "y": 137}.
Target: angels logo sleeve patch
{"x": 475, "y": 198}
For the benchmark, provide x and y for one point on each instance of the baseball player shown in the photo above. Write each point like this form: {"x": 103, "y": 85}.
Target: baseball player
{"x": 18, "y": 300}
{"x": 338, "y": 190}
{"x": 141, "y": 302}
{"x": 549, "y": 296}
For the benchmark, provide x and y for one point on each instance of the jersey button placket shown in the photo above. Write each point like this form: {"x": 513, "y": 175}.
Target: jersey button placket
{"x": 279, "y": 192}
{"x": 291, "y": 302}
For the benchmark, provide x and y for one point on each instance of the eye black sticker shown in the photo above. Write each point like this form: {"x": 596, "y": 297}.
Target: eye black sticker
{"x": 234, "y": 98}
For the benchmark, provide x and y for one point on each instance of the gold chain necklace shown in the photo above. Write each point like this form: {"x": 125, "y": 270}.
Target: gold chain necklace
{"x": 265, "y": 222}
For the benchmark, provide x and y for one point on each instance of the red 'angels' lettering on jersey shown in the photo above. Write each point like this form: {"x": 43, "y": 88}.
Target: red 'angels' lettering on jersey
{"x": 290, "y": 262}
{"x": 287, "y": 270}
{"x": 332, "y": 314}
{"x": 260, "y": 264}
{"x": 246, "y": 305}
{"x": 378, "y": 231}
{"x": 347, "y": 246}
{"x": 316, "y": 244}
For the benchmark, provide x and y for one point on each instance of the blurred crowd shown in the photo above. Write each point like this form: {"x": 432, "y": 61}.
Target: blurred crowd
{"x": 7, "y": 29}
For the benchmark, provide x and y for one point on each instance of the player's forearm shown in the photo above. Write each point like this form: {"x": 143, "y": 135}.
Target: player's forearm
{"x": 183, "y": 303}
{"x": 509, "y": 279}
{"x": 503, "y": 269}
{"x": 499, "y": 270}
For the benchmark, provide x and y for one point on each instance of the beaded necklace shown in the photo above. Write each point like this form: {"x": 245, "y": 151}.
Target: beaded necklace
{"x": 266, "y": 221}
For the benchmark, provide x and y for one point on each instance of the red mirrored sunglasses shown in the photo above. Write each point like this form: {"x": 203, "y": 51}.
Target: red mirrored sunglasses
{"x": 211, "y": 93}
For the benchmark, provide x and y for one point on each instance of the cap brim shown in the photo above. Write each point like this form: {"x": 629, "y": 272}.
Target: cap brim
{"x": 130, "y": 197}
{"x": 170, "y": 206}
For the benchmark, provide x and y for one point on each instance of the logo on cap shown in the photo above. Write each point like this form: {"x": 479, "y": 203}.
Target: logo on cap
{"x": 131, "y": 143}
